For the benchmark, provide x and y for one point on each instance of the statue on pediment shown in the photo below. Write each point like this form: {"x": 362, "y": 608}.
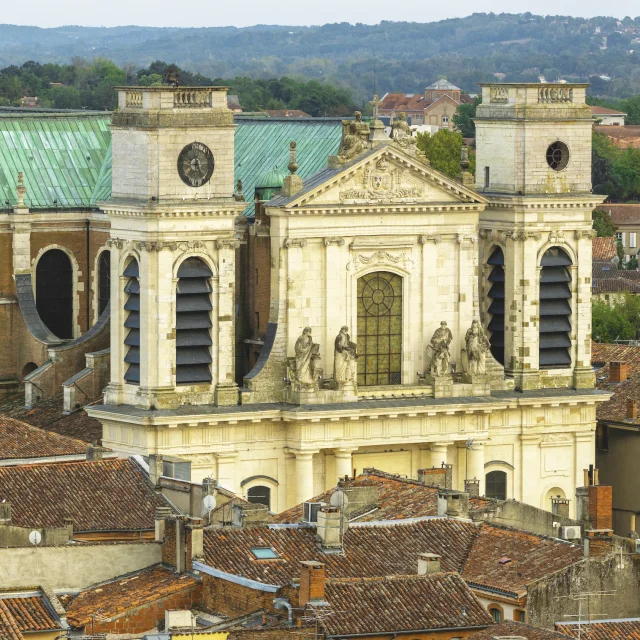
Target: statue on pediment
{"x": 355, "y": 138}
{"x": 307, "y": 356}
{"x": 440, "y": 342}
{"x": 345, "y": 358}
{"x": 477, "y": 347}
{"x": 400, "y": 129}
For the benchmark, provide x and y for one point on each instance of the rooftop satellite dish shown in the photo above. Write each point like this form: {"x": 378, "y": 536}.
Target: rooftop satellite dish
{"x": 209, "y": 503}
{"x": 339, "y": 499}
{"x": 35, "y": 537}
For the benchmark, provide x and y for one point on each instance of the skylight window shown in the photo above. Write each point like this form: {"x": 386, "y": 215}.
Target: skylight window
{"x": 264, "y": 553}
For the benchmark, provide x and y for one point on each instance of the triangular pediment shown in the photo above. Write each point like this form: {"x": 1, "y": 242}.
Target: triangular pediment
{"x": 386, "y": 175}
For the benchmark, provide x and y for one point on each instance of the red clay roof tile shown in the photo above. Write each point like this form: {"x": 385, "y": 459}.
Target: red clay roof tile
{"x": 511, "y": 629}
{"x": 9, "y": 629}
{"x": 602, "y": 629}
{"x": 31, "y": 613}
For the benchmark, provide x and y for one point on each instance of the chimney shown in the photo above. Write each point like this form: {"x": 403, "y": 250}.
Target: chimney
{"x": 601, "y": 506}
{"x": 330, "y": 527}
{"x": 598, "y": 543}
{"x": 457, "y": 504}
{"x": 437, "y": 476}
{"x": 311, "y": 582}
{"x": 362, "y": 495}
{"x": 560, "y": 507}
{"x": 249, "y": 514}
{"x": 156, "y": 467}
{"x": 5, "y": 512}
{"x": 94, "y": 452}
{"x": 428, "y": 563}
{"x": 632, "y": 409}
{"x": 618, "y": 371}
{"x": 162, "y": 513}
{"x": 194, "y": 541}
{"x": 472, "y": 487}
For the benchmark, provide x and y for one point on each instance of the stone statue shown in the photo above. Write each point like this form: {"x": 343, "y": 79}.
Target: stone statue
{"x": 238, "y": 196}
{"x": 440, "y": 342}
{"x": 400, "y": 129}
{"x": 477, "y": 346}
{"x": 345, "y": 358}
{"x": 355, "y": 138}
{"x": 307, "y": 356}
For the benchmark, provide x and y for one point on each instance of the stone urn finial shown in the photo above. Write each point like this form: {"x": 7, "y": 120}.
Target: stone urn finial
{"x": 21, "y": 190}
{"x": 464, "y": 157}
{"x": 293, "y": 165}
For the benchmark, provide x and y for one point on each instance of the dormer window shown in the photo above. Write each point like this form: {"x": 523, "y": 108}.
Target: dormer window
{"x": 264, "y": 553}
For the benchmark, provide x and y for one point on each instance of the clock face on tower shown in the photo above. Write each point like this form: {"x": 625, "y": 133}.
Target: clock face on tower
{"x": 195, "y": 164}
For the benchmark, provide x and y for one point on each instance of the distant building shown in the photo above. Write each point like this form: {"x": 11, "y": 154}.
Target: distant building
{"x": 233, "y": 103}
{"x": 608, "y": 116}
{"x": 621, "y": 137}
{"x": 626, "y": 217}
{"x": 435, "y": 107}
{"x": 29, "y": 102}
{"x": 287, "y": 113}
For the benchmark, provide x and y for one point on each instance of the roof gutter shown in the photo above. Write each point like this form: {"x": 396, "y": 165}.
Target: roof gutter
{"x": 411, "y": 631}
{"x": 235, "y": 579}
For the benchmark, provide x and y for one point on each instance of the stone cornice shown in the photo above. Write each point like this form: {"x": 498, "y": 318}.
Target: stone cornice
{"x": 543, "y": 201}
{"x": 375, "y": 207}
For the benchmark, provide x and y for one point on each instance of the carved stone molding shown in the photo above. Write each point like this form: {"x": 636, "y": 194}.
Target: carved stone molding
{"x": 380, "y": 257}
{"x": 585, "y": 233}
{"x": 517, "y": 234}
{"x": 294, "y": 242}
{"x": 556, "y": 236}
{"x": 227, "y": 243}
{"x": 556, "y": 438}
{"x": 187, "y": 245}
{"x": 339, "y": 242}
{"x": 473, "y": 238}
{"x": 115, "y": 242}
{"x": 430, "y": 237}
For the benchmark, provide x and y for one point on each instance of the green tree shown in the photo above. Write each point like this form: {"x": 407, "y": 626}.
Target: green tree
{"x": 443, "y": 151}
{"x": 603, "y": 224}
{"x": 619, "y": 322}
{"x": 463, "y": 118}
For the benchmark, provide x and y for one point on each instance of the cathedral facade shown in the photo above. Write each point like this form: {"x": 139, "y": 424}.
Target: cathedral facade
{"x": 414, "y": 320}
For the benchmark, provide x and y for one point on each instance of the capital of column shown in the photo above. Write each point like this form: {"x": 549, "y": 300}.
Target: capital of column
{"x": 530, "y": 438}
{"x": 344, "y": 452}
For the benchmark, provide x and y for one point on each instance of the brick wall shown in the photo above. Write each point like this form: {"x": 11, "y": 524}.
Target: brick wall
{"x": 231, "y": 599}
{"x": 147, "y": 617}
{"x": 169, "y": 543}
{"x": 601, "y": 506}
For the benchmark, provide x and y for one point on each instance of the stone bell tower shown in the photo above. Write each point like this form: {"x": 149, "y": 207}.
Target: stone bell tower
{"x": 172, "y": 214}
{"x": 533, "y": 163}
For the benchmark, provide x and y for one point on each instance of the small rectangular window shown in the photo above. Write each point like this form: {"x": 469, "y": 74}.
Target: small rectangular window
{"x": 619, "y": 236}
{"x": 632, "y": 240}
{"x": 486, "y": 177}
{"x": 518, "y": 615}
{"x": 624, "y": 239}
{"x": 264, "y": 553}
{"x": 445, "y": 119}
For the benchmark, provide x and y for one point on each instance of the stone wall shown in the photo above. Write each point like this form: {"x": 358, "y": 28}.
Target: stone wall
{"x": 74, "y": 567}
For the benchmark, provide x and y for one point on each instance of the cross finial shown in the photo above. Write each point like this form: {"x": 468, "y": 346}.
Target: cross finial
{"x": 293, "y": 165}
{"x": 375, "y": 103}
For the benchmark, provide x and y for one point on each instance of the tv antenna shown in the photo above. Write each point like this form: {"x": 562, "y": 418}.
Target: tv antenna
{"x": 585, "y": 596}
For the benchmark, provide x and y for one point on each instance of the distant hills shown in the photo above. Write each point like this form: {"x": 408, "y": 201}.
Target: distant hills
{"x": 409, "y": 55}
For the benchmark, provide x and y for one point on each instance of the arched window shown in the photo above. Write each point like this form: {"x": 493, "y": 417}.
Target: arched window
{"x": 28, "y": 368}
{"x": 380, "y": 329}
{"x": 260, "y": 495}
{"x": 496, "y": 308}
{"x": 496, "y": 485}
{"x": 54, "y": 292}
{"x": 555, "y": 309}
{"x": 496, "y": 613}
{"x": 193, "y": 322}
{"x": 104, "y": 281}
{"x": 132, "y": 323}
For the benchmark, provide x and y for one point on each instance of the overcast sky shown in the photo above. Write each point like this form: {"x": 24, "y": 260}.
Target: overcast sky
{"x": 211, "y": 13}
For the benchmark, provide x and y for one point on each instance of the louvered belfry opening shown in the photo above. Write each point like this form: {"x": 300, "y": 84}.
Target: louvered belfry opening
{"x": 193, "y": 322}
{"x": 496, "y": 308}
{"x": 132, "y": 323}
{"x": 555, "y": 309}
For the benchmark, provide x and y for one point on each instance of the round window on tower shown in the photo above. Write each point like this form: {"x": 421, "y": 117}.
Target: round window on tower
{"x": 558, "y": 156}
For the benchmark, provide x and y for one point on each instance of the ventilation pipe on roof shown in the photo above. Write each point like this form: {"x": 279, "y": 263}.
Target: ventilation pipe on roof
{"x": 281, "y": 603}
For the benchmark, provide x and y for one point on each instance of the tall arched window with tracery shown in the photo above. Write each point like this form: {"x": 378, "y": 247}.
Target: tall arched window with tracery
{"x": 54, "y": 292}
{"x": 104, "y": 280}
{"x": 496, "y": 307}
{"x": 132, "y": 323}
{"x": 555, "y": 309}
{"x": 193, "y": 322}
{"x": 379, "y": 329}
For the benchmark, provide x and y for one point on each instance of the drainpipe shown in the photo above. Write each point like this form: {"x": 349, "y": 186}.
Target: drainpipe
{"x": 281, "y": 603}
{"x": 87, "y": 277}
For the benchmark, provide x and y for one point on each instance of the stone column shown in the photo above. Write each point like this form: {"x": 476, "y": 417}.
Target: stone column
{"x": 304, "y": 476}
{"x": 529, "y": 469}
{"x": 226, "y": 461}
{"x": 439, "y": 453}
{"x": 475, "y": 464}
{"x": 344, "y": 466}
{"x": 227, "y": 389}
{"x": 584, "y": 377}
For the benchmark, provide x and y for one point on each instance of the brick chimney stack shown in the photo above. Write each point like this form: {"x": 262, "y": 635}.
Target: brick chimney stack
{"x": 330, "y": 527}
{"x": 472, "y": 487}
{"x": 632, "y": 409}
{"x": 312, "y": 578}
{"x": 428, "y": 563}
{"x": 618, "y": 371}
{"x": 94, "y": 452}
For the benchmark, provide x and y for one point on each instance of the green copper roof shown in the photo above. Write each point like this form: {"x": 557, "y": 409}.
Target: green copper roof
{"x": 271, "y": 180}
{"x": 60, "y": 154}
{"x": 66, "y": 156}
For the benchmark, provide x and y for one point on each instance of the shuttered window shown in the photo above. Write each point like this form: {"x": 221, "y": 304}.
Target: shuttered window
{"x": 555, "y": 309}
{"x": 193, "y": 322}
{"x": 132, "y": 323}
{"x": 496, "y": 307}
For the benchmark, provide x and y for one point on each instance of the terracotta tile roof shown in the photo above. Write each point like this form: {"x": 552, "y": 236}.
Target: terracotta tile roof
{"x": 19, "y": 440}
{"x": 604, "y": 249}
{"x": 623, "y": 213}
{"x": 615, "y": 285}
{"x": 604, "y": 353}
{"x": 103, "y": 495}
{"x": 398, "y": 498}
{"x": 402, "y": 603}
{"x": 603, "y": 629}
{"x": 48, "y": 416}
{"x": 369, "y": 550}
{"x": 31, "y": 613}
{"x": 603, "y": 111}
{"x": 9, "y": 629}
{"x": 528, "y": 557}
{"x": 604, "y": 269}
{"x": 615, "y": 409}
{"x": 404, "y": 102}
{"x": 511, "y": 629}
{"x": 622, "y": 137}
{"x": 114, "y": 598}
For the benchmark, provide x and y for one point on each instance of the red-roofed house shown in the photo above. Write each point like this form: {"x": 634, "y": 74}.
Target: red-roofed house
{"x": 606, "y": 116}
